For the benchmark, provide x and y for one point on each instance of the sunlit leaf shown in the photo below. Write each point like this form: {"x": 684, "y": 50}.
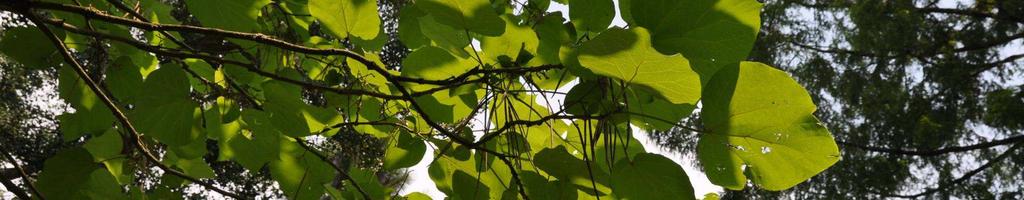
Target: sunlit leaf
{"x": 591, "y": 15}
{"x": 760, "y": 124}
{"x": 350, "y": 17}
{"x": 627, "y": 55}
{"x": 473, "y": 15}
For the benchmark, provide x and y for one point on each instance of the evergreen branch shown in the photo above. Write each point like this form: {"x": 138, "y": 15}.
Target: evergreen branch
{"x": 965, "y": 177}
{"x": 972, "y": 13}
{"x": 1011, "y": 140}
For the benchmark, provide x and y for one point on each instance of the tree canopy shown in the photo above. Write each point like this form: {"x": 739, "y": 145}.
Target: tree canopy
{"x": 169, "y": 97}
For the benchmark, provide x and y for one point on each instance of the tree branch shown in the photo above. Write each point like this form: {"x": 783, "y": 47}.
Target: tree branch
{"x": 996, "y": 64}
{"x": 515, "y": 177}
{"x": 120, "y": 6}
{"x": 972, "y": 13}
{"x": 11, "y": 187}
{"x": 21, "y": 172}
{"x": 1011, "y": 140}
{"x": 965, "y": 177}
{"x": 138, "y": 142}
{"x": 909, "y": 52}
{"x": 268, "y": 40}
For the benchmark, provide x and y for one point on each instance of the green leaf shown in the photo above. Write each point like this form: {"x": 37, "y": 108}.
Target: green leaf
{"x": 650, "y": 176}
{"x": 759, "y": 117}
{"x": 235, "y": 15}
{"x": 507, "y": 46}
{"x": 369, "y": 182}
{"x": 541, "y": 5}
{"x": 167, "y": 115}
{"x": 371, "y": 44}
{"x": 627, "y": 55}
{"x": 512, "y": 107}
{"x": 591, "y": 15}
{"x": 261, "y": 146}
{"x": 417, "y": 196}
{"x": 193, "y": 150}
{"x": 222, "y": 124}
{"x": 460, "y": 177}
{"x": 444, "y": 36}
{"x": 588, "y": 98}
{"x": 158, "y": 12}
{"x": 435, "y": 64}
{"x": 552, "y": 36}
{"x": 91, "y": 116}
{"x": 293, "y": 116}
{"x": 655, "y": 114}
{"x": 350, "y": 17}
{"x": 558, "y": 163}
{"x": 716, "y": 30}
{"x": 61, "y": 175}
{"x": 71, "y": 174}
{"x": 409, "y": 30}
{"x": 194, "y": 167}
{"x": 123, "y": 80}
{"x": 300, "y": 174}
{"x": 42, "y": 54}
{"x": 107, "y": 149}
{"x": 105, "y": 146}
{"x": 539, "y": 187}
{"x": 403, "y": 151}
{"x": 603, "y": 155}
{"x": 473, "y": 15}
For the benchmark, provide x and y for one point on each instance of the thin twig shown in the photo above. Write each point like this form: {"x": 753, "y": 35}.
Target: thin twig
{"x": 343, "y": 173}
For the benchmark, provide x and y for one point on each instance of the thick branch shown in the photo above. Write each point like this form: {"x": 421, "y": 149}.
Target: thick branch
{"x": 11, "y": 187}
{"x": 21, "y": 173}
